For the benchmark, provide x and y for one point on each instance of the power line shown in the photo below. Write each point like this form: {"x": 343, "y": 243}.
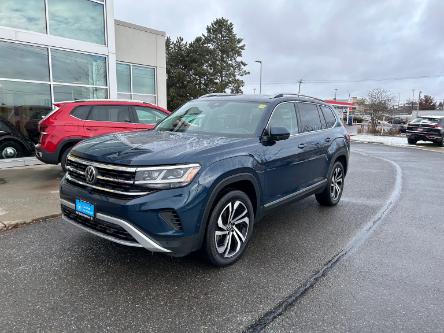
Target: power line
{"x": 356, "y": 81}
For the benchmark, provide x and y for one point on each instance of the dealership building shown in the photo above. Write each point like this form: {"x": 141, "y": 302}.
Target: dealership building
{"x": 61, "y": 50}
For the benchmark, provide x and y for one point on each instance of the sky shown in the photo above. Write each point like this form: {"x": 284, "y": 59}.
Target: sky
{"x": 349, "y": 45}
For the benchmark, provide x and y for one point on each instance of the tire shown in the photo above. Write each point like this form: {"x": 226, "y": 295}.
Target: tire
{"x": 227, "y": 237}
{"x": 64, "y": 157}
{"x": 411, "y": 141}
{"x": 332, "y": 194}
{"x": 11, "y": 149}
{"x": 440, "y": 143}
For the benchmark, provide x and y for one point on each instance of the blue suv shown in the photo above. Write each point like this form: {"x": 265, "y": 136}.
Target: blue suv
{"x": 207, "y": 173}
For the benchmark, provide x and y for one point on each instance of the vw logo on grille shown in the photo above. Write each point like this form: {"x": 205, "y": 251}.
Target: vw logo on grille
{"x": 90, "y": 174}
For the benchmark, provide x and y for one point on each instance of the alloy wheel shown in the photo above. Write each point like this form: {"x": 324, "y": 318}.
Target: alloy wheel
{"x": 9, "y": 152}
{"x": 232, "y": 228}
{"x": 337, "y": 180}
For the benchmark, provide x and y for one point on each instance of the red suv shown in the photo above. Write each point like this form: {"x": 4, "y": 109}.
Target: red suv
{"x": 71, "y": 122}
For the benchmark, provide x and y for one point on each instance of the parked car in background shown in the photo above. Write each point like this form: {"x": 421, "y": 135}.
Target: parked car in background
{"x": 71, "y": 122}
{"x": 12, "y": 142}
{"x": 207, "y": 173}
{"x": 426, "y": 128}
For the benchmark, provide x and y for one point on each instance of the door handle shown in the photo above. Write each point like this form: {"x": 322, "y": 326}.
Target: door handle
{"x": 327, "y": 139}
{"x": 301, "y": 145}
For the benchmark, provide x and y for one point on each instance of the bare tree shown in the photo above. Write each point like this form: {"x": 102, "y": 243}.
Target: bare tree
{"x": 379, "y": 101}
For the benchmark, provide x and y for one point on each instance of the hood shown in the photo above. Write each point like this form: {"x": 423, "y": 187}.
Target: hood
{"x": 157, "y": 148}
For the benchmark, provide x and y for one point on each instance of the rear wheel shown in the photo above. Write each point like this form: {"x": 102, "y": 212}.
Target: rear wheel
{"x": 11, "y": 149}
{"x": 440, "y": 142}
{"x": 229, "y": 228}
{"x": 333, "y": 192}
{"x": 411, "y": 141}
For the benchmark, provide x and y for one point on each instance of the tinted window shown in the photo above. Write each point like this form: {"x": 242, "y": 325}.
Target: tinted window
{"x": 149, "y": 116}
{"x": 26, "y": 15}
{"x": 73, "y": 93}
{"x": 23, "y": 62}
{"x": 308, "y": 114}
{"x": 284, "y": 115}
{"x": 329, "y": 116}
{"x": 123, "y": 78}
{"x": 77, "y": 19}
{"x": 78, "y": 68}
{"x": 81, "y": 112}
{"x": 110, "y": 113}
{"x": 143, "y": 80}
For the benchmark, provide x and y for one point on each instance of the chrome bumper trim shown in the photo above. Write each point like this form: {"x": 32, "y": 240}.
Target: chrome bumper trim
{"x": 141, "y": 238}
{"x": 68, "y": 177}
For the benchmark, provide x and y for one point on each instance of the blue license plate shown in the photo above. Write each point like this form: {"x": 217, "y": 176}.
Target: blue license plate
{"x": 85, "y": 208}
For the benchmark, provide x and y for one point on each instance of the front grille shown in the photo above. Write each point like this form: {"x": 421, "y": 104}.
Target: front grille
{"x": 98, "y": 225}
{"x": 111, "y": 179}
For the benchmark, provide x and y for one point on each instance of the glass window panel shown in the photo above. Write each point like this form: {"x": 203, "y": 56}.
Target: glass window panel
{"x": 123, "y": 96}
{"x": 114, "y": 113}
{"x": 72, "y": 93}
{"x": 123, "y": 78}
{"x": 23, "y": 62}
{"x": 149, "y": 116}
{"x": 78, "y": 68}
{"x": 145, "y": 98}
{"x": 285, "y": 116}
{"x": 23, "y": 14}
{"x": 143, "y": 80}
{"x": 77, "y": 19}
{"x": 309, "y": 116}
{"x": 23, "y": 104}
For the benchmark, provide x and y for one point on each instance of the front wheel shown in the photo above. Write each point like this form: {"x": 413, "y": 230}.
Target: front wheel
{"x": 411, "y": 141}
{"x": 333, "y": 192}
{"x": 229, "y": 228}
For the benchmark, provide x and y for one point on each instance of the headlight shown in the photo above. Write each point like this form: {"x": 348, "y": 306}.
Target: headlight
{"x": 165, "y": 177}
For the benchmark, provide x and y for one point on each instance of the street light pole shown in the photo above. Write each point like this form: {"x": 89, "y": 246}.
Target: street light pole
{"x": 260, "y": 76}
{"x": 299, "y": 89}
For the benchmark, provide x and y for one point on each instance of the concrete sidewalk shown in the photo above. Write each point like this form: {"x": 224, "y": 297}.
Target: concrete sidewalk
{"x": 19, "y": 162}
{"x": 28, "y": 194}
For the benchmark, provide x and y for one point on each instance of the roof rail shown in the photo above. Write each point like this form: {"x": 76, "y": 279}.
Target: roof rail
{"x": 105, "y": 100}
{"x": 298, "y": 95}
{"x": 216, "y": 95}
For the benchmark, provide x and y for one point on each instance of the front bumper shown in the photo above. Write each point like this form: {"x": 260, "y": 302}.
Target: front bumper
{"x": 139, "y": 221}
{"x": 139, "y": 239}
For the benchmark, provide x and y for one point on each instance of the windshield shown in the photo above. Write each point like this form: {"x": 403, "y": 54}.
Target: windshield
{"x": 225, "y": 118}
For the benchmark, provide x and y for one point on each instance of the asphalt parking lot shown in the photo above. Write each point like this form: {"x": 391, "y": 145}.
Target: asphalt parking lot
{"x": 373, "y": 263}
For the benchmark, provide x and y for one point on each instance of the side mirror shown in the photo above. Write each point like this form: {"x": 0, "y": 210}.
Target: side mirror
{"x": 278, "y": 134}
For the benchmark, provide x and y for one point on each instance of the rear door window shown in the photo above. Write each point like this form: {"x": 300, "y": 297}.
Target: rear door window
{"x": 112, "y": 113}
{"x": 309, "y": 117}
{"x": 329, "y": 116}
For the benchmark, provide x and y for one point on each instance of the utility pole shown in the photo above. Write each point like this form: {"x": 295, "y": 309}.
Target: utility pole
{"x": 336, "y": 92}
{"x": 260, "y": 76}
{"x": 299, "y": 89}
{"x": 419, "y": 98}
{"x": 413, "y": 99}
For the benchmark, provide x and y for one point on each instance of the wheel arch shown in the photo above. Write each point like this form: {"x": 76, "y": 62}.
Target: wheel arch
{"x": 245, "y": 182}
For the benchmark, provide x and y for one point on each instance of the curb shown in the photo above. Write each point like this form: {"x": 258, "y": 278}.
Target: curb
{"x": 16, "y": 224}
{"x": 19, "y": 162}
{"x": 398, "y": 146}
